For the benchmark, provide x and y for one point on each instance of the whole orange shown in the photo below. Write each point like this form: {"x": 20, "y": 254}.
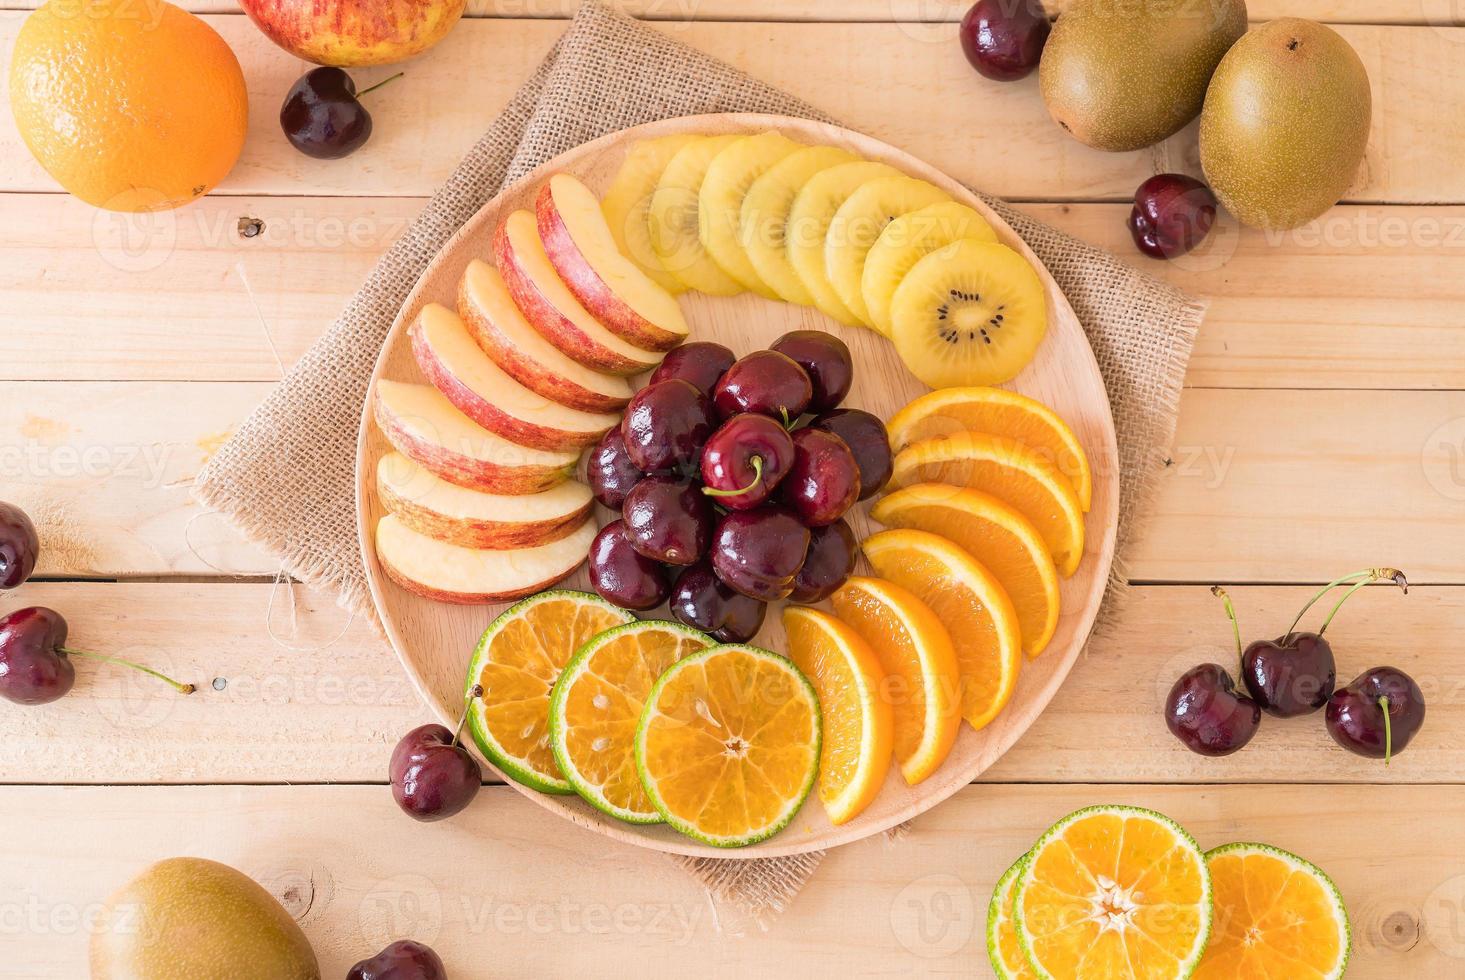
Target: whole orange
{"x": 132, "y": 105}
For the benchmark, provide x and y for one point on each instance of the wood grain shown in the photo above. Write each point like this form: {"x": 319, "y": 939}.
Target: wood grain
{"x": 325, "y": 701}
{"x": 915, "y": 90}
{"x": 498, "y": 891}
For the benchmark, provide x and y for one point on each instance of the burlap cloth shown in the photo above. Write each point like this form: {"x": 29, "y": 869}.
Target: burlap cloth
{"x": 287, "y": 477}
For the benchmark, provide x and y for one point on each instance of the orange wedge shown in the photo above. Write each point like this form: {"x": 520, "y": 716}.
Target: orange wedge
{"x": 922, "y": 680}
{"x": 970, "y": 602}
{"x": 858, "y": 727}
{"x": 1012, "y": 473}
{"x": 997, "y": 412}
{"x": 995, "y": 535}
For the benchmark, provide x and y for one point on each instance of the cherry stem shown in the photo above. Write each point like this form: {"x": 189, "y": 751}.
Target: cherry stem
{"x": 1388, "y": 729}
{"x": 1225, "y": 598}
{"x": 180, "y": 688}
{"x": 380, "y": 84}
{"x": 1367, "y": 575}
{"x": 757, "y": 463}
{"x": 474, "y": 694}
{"x": 788, "y": 423}
{"x": 1377, "y": 574}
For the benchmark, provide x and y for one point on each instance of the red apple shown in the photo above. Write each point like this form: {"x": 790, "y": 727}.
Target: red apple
{"x": 423, "y": 425}
{"x": 480, "y": 389}
{"x": 583, "y": 251}
{"x": 552, "y": 309}
{"x": 353, "y": 33}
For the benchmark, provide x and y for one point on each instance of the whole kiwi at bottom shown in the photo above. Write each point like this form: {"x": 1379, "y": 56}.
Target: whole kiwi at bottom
{"x": 1122, "y": 76}
{"x": 191, "y": 919}
{"x": 1285, "y": 123}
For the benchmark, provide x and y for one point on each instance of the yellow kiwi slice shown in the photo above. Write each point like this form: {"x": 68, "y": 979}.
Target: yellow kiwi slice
{"x": 904, "y": 242}
{"x": 628, "y": 201}
{"x": 720, "y": 202}
{"x": 859, "y": 222}
{"x": 673, "y": 223}
{"x": 969, "y": 313}
{"x": 765, "y": 216}
{"x": 808, "y": 223}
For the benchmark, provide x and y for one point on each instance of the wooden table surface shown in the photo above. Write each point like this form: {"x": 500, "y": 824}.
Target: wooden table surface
{"x": 1322, "y": 430}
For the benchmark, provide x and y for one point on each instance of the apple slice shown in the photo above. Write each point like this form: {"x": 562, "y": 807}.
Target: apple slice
{"x": 608, "y": 284}
{"x": 482, "y": 391}
{"x": 431, "y": 505}
{"x": 504, "y": 335}
{"x": 420, "y": 422}
{"x": 446, "y": 572}
{"x": 552, "y": 309}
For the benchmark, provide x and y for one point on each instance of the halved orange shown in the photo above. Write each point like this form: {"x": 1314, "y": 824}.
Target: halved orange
{"x": 972, "y": 605}
{"x": 858, "y": 726}
{"x": 922, "y": 679}
{"x": 1114, "y": 891}
{"x": 728, "y": 744}
{"x": 997, "y": 412}
{"x": 994, "y": 534}
{"x": 518, "y": 659}
{"x": 1009, "y": 471}
{"x": 1276, "y": 916}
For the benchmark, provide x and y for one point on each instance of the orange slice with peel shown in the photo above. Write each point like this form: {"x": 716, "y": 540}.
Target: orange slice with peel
{"x": 922, "y": 680}
{"x": 997, "y": 412}
{"x": 1009, "y": 471}
{"x": 972, "y": 605}
{"x": 994, "y": 534}
{"x": 858, "y": 725}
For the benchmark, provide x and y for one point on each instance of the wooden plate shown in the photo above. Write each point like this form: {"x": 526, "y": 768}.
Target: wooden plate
{"x": 435, "y": 640}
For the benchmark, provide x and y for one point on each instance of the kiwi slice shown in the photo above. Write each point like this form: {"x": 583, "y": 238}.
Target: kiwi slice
{"x": 808, "y": 223}
{"x": 858, "y": 223}
{"x": 969, "y": 313}
{"x": 720, "y": 202}
{"x": 627, "y": 204}
{"x": 673, "y": 222}
{"x": 765, "y": 215}
{"x": 904, "y": 242}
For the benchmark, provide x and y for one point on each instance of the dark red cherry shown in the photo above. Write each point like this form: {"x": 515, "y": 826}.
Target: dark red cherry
{"x": 668, "y": 520}
{"x": 621, "y": 574}
{"x": 1171, "y": 214}
{"x": 758, "y": 552}
{"x": 702, "y": 363}
{"x": 1206, "y": 712}
{"x": 765, "y": 382}
{"x": 322, "y": 116}
{"x": 1003, "y": 39}
{"x": 702, "y": 601}
{"x": 1378, "y": 714}
{"x": 830, "y": 560}
{"x": 19, "y": 546}
{"x": 825, "y": 359}
{"x": 404, "y": 959}
{"x": 866, "y": 437}
{"x": 824, "y": 481}
{"x": 35, "y": 662}
{"x": 666, "y": 425}
{"x": 610, "y": 472}
{"x": 745, "y": 460}
{"x": 432, "y": 775}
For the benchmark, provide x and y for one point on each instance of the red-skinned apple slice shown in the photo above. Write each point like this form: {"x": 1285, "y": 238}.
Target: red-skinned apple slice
{"x": 504, "y": 335}
{"x": 431, "y": 505}
{"x": 421, "y": 424}
{"x": 480, "y": 389}
{"x": 445, "y": 572}
{"x": 552, "y": 309}
{"x": 612, "y": 287}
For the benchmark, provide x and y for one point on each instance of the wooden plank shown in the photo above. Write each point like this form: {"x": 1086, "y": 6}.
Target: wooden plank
{"x": 500, "y": 884}
{"x": 914, "y": 90}
{"x": 1284, "y": 486}
{"x": 1367, "y": 300}
{"x": 325, "y": 700}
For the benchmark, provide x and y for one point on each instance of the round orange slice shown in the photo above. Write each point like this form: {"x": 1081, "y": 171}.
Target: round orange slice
{"x": 1004, "y": 948}
{"x": 922, "y": 680}
{"x": 970, "y": 602}
{"x": 1009, "y": 471}
{"x": 858, "y": 726}
{"x": 997, "y": 412}
{"x": 1276, "y": 916}
{"x": 994, "y": 534}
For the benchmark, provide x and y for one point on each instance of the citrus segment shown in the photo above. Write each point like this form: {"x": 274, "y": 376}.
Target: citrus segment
{"x": 597, "y": 704}
{"x": 997, "y": 412}
{"x": 994, "y": 534}
{"x": 517, "y": 661}
{"x": 1276, "y": 915}
{"x": 1114, "y": 891}
{"x": 1004, "y": 948}
{"x": 922, "y": 680}
{"x": 728, "y": 744}
{"x": 970, "y": 602}
{"x": 858, "y": 726}
{"x": 1012, "y": 473}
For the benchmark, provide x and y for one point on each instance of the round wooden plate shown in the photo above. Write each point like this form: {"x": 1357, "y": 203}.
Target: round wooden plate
{"x": 434, "y": 640}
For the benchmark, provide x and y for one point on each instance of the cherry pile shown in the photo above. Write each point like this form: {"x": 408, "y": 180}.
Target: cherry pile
{"x": 1375, "y": 715}
{"x": 732, "y": 477}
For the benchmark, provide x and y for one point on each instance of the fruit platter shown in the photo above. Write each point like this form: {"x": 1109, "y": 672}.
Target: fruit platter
{"x": 481, "y": 557}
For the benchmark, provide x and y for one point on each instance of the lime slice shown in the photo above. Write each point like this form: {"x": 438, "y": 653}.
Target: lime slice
{"x": 597, "y": 704}
{"x": 1277, "y": 915}
{"x": 728, "y": 744}
{"x": 1004, "y": 948}
{"x": 1114, "y": 891}
{"x": 517, "y": 661}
